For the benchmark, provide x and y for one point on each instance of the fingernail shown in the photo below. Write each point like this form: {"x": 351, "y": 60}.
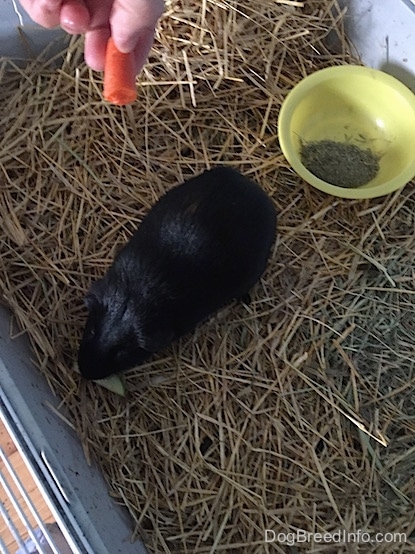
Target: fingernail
{"x": 74, "y": 18}
{"x": 72, "y": 27}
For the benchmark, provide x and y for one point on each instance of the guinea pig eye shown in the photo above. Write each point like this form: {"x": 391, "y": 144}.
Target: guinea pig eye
{"x": 90, "y": 301}
{"x": 118, "y": 355}
{"x": 90, "y": 332}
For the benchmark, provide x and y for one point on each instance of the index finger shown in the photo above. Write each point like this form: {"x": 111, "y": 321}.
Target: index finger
{"x": 134, "y": 21}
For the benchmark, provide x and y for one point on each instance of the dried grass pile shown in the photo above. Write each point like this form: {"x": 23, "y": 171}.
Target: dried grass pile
{"x": 295, "y": 412}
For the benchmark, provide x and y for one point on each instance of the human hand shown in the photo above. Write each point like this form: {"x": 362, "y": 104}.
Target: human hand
{"x": 131, "y": 24}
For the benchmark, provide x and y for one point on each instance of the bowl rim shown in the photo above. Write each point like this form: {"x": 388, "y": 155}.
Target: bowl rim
{"x": 286, "y": 112}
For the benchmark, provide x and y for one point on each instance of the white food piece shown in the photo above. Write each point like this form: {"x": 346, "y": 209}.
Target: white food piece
{"x": 112, "y": 383}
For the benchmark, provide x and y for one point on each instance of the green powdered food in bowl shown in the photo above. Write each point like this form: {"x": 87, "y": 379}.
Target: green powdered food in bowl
{"x": 339, "y": 163}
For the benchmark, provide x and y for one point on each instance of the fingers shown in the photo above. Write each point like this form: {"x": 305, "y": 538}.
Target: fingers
{"x": 132, "y": 28}
{"x": 71, "y": 15}
{"x": 132, "y": 22}
{"x": 143, "y": 46}
{"x": 95, "y": 47}
{"x": 43, "y": 12}
{"x": 98, "y": 33}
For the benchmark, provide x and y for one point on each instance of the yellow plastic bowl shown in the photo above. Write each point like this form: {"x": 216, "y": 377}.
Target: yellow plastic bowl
{"x": 357, "y": 105}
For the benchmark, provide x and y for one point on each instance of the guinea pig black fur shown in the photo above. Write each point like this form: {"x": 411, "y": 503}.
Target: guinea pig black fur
{"x": 203, "y": 244}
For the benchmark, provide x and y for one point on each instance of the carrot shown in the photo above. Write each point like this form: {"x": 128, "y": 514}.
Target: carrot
{"x": 119, "y": 76}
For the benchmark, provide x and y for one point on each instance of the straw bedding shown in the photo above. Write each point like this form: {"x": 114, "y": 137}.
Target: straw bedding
{"x": 293, "y": 412}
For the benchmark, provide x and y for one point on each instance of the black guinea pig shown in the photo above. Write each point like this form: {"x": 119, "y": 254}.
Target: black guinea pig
{"x": 203, "y": 244}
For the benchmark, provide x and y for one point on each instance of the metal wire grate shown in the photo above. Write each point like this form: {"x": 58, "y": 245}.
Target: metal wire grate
{"x": 35, "y": 511}
{"x": 39, "y": 539}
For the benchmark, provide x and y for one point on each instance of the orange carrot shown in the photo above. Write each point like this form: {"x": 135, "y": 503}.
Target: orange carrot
{"x": 119, "y": 76}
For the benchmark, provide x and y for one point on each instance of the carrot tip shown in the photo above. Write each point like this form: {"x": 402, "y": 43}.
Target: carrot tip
{"x": 119, "y": 76}
{"x": 121, "y": 96}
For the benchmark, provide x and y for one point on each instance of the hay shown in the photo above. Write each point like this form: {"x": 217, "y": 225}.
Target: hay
{"x": 295, "y": 411}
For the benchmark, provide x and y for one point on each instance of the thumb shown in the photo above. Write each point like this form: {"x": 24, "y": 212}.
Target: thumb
{"x": 131, "y": 19}
{"x": 74, "y": 16}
